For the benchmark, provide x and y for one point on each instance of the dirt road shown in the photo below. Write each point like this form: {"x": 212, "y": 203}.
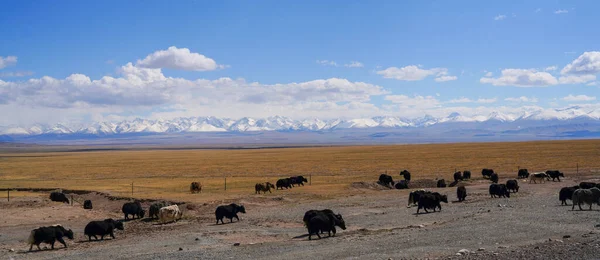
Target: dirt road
{"x": 530, "y": 224}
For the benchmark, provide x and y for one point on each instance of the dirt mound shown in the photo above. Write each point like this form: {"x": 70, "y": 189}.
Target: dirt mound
{"x": 422, "y": 183}
{"x": 369, "y": 185}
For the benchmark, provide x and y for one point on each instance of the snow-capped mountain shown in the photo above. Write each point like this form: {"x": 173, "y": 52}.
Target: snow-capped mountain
{"x": 527, "y": 117}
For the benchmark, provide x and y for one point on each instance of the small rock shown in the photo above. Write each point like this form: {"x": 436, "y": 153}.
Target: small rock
{"x": 502, "y": 246}
{"x": 566, "y": 236}
{"x": 495, "y": 253}
{"x": 598, "y": 225}
{"x": 537, "y": 247}
{"x": 11, "y": 250}
{"x": 180, "y": 249}
{"x": 236, "y": 244}
{"x": 458, "y": 254}
{"x": 421, "y": 226}
{"x": 559, "y": 241}
{"x": 481, "y": 249}
{"x": 464, "y": 251}
{"x": 197, "y": 239}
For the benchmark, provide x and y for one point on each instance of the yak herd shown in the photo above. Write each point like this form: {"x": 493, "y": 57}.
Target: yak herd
{"x": 316, "y": 221}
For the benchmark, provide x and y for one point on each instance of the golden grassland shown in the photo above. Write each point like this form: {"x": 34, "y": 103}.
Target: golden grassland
{"x": 167, "y": 173}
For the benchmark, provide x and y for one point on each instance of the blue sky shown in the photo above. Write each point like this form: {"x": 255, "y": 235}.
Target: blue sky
{"x": 265, "y": 46}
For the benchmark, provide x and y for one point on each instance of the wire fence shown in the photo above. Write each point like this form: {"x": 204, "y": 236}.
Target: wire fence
{"x": 155, "y": 185}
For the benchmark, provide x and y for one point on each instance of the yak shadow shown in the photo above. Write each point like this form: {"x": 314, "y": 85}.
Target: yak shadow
{"x": 39, "y": 251}
{"x": 94, "y": 241}
{"x": 225, "y": 223}
{"x": 315, "y": 237}
{"x": 146, "y": 220}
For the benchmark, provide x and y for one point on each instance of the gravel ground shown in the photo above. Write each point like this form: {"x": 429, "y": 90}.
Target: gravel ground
{"x": 529, "y": 225}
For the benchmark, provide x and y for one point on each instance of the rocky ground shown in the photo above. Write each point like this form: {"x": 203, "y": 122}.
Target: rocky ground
{"x": 530, "y": 224}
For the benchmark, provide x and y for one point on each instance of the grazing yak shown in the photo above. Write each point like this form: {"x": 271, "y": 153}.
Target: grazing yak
{"x": 413, "y": 196}
{"x": 512, "y": 185}
{"x": 406, "y": 175}
{"x": 461, "y": 193}
{"x": 587, "y": 196}
{"x": 48, "y": 235}
{"x": 59, "y": 196}
{"x": 486, "y": 173}
{"x": 298, "y": 180}
{"x": 555, "y": 175}
{"x": 195, "y": 187}
{"x": 284, "y": 183}
{"x": 169, "y": 214}
{"x": 229, "y": 211}
{"x": 466, "y": 175}
{"x": 386, "y": 180}
{"x": 458, "y": 176}
{"x": 441, "y": 183}
{"x": 542, "y": 177}
{"x": 155, "y": 208}
{"x": 494, "y": 177}
{"x": 523, "y": 174}
{"x": 264, "y": 187}
{"x": 134, "y": 209}
{"x": 587, "y": 185}
{"x": 499, "y": 190}
{"x": 431, "y": 201}
{"x": 87, "y": 204}
{"x": 102, "y": 228}
{"x": 403, "y": 184}
{"x": 313, "y": 212}
{"x": 566, "y": 193}
{"x": 324, "y": 222}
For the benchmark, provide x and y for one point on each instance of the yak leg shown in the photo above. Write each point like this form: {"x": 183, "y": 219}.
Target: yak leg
{"x": 30, "y": 247}
{"x": 579, "y": 204}
{"x": 60, "y": 239}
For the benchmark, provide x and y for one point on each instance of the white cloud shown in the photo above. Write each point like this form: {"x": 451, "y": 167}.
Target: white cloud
{"x": 522, "y": 99}
{"x": 561, "y": 11}
{"x": 486, "y": 100}
{"x": 468, "y": 100}
{"x": 354, "y": 64}
{"x": 15, "y": 74}
{"x": 7, "y": 61}
{"x": 489, "y": 74}
{"x": 576, "y": 79}
{"x": 460, "y": 100}
{"x": 499, "y": 17}
{"x": 327, "y": 63}
{"x": 586, "y": 63}
{"x": 521, "y": 78}
{"x": 178, "y": 58}
{"x": 445, "y": 78}
{"x": 141, "y": 89}
{"x": 551, "y": 68}
{"x": 592, "y": 83}
{"x": 415, "y": 102}
{"x": 538, "y": 10}
{"x": 578, "y": 98}
{"x": 412, "y": 73}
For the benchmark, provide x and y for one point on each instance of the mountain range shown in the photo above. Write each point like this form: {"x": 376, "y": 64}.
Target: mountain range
{"x": 546, "y": 122}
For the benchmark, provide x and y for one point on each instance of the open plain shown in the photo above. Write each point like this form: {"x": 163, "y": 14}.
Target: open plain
{"x": 531, "y": 224}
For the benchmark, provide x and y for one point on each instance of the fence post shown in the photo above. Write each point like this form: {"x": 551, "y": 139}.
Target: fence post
{"x": 225, "y": 183}
{"x": 310, "y": 179}
{"x": 8, "y": 190}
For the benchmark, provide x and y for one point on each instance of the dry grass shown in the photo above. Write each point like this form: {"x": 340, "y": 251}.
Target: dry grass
{"x": 167, "y": 173}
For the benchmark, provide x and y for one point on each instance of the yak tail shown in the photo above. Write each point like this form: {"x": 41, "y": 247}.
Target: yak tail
{"x": 31, "y": 238}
